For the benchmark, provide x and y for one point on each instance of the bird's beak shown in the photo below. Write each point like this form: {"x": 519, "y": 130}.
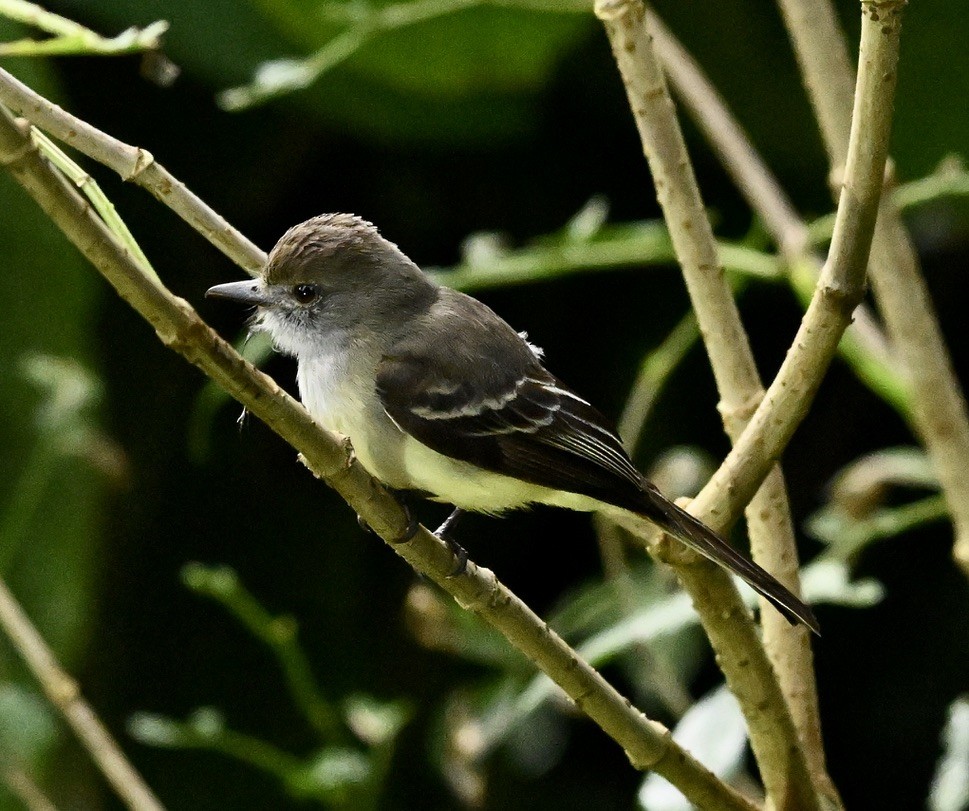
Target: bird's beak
{"x": 247, "y": 292}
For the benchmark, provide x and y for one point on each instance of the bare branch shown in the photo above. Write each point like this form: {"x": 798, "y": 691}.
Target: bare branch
{"x": 789, "y": 653}
{"x": 839, "y": 289}
{"x": 739, "y": 650}
{"x": 132, "y": 164}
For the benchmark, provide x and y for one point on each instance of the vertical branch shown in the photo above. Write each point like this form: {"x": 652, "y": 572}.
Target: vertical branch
{"x": 740, "y": 653}
{"x": 822, "y": 55}
{"x": 873, "y": 360}
{"x": 939, "y": 406}
{"x": 839, "y": 289}
{"x": 790, "y": 654}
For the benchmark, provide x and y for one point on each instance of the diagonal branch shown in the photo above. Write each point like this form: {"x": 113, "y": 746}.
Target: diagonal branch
{"x": 790, "y": 654}
{"x": 65, "y": 695}
{"x": 647, "y": 744}
{"x": 133, "y": 164}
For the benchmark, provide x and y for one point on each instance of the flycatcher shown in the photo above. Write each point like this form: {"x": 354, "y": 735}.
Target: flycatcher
{"x": 440, "y": 395}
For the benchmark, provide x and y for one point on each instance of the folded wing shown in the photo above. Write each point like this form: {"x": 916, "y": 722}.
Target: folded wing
{"x": 481, "y": 395}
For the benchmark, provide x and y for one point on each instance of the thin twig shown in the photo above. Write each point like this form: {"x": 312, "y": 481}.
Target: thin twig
{"x": 132, "y": 164}
{"x": 950, "y": 179}
{"x": 90, "y": 188}
{"x": 940, "y": 413}
{"x": 623, "y": 246}
{"x": 205, "y": 729}
{"x": 65, "y": 694}
{"x": 71, "y": 38}
{"x": 646, "y": 743}
{"x": 364, "y": 23}
{"x": 839, "y": 289}
{"x": 653, "y": 373}
{"x": 739, "y": 650}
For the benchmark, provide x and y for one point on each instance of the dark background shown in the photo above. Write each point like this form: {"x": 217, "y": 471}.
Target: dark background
{"x": 431, "y": 155}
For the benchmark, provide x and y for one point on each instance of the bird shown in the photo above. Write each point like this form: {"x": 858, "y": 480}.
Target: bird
{"x": 440, "y": 395}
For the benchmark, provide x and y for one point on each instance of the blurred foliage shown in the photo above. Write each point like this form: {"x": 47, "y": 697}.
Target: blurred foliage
{"x": 60, "y": 304}
{"x": 861, "y": 507}
{"x": 475, "y": 129}
{"x": 356, "y": 739}
{"x": 714, "y": 730}
{"x": 27, "y": 726}
{"x": 66, "y": 440}
{"x": 950, "y": 788}
{"x": 464, "y": 76}
{"x": 68, "y": 38}
{"x": 49, "y": 494}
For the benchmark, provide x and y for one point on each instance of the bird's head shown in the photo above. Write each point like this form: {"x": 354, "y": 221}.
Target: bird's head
{"x": 331, "y": 277}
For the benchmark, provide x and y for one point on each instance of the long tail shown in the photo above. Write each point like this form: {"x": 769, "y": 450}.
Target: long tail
{"x": 694, "y": 533}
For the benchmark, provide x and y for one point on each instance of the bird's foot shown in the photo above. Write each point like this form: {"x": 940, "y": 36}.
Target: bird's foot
{"x": 460, "y": 558}
{"x": 459, "y": 552}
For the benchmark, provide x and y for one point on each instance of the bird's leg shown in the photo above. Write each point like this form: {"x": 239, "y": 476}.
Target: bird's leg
{"x": 459, "y": 552}
{"x": 449, "y": 523}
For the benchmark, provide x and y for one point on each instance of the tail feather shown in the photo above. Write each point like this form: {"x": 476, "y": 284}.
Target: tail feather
{"x": 698, "y": 536}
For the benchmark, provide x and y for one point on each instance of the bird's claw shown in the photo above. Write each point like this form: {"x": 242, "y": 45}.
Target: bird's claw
{"x": 460, "y": 558}
{"x": 409, "y": 531}
{"x": 412, "y": 526}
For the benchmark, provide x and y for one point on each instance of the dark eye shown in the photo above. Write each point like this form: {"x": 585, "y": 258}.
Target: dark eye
{"x": 306, "y": 293}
